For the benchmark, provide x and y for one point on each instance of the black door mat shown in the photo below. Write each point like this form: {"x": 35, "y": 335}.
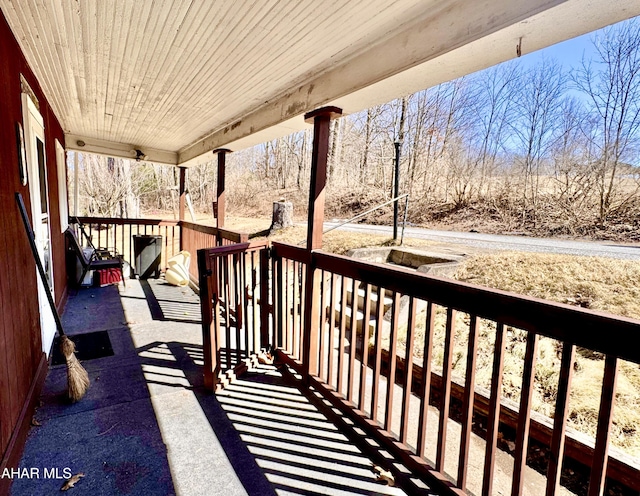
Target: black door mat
{"x": 88, "y": 347}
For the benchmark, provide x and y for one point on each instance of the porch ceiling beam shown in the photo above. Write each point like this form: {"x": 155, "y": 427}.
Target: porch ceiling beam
{"x": 456, "y": 39}
{"x": 119, "y": 150}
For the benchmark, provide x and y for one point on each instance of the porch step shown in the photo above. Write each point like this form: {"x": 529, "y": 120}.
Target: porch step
{"x": 374, "y": 299}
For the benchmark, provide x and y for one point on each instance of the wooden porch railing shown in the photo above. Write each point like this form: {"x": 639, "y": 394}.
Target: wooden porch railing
{"x": 371, "y": 319}
{"x": 196, "y": 236}
{"x": 114, "y": 233}
{"x": 234, "y": 298}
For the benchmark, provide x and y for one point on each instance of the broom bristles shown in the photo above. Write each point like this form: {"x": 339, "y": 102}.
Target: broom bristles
{"x": 77, "y": 377}
{"x": 67, "y": 347}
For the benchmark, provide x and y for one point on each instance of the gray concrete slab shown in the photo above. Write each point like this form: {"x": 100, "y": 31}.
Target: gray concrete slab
{"x": 147, "y": 426}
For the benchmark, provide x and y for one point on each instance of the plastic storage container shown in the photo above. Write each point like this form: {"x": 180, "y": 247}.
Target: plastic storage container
{"x": 177, "y": 272}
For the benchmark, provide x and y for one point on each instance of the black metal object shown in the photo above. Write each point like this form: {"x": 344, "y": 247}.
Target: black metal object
{"x": 396, "y": 188}
{"x": 89, "y": 346}
{"x": 99, "y": 259}
{"x": 36, "y": 256}
{"x": 147, "y": 250}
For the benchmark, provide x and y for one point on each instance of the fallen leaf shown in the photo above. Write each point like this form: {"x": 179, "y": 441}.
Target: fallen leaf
{"x": 384, "y": 476}
{"x": 265, "y": 359}
{"x": 35, "y": 423}
{"x": 71, "y": 481}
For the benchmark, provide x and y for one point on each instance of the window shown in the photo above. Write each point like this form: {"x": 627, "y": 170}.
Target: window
{"x": 61, "y": 164}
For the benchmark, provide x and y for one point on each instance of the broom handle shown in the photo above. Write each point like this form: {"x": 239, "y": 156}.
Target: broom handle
{"x": 34, "y": 250}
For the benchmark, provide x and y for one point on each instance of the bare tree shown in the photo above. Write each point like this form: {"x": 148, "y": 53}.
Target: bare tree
{"x": 611, "y": 83}
{"x": 540, "y": 92}
{"x": 491, "y": 105}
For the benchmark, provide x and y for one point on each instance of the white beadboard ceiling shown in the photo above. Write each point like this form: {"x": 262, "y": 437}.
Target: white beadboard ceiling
{"x": 178, "y": 78}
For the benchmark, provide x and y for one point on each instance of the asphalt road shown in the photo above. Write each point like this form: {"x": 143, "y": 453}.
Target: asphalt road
{"x": 506, "y": 242}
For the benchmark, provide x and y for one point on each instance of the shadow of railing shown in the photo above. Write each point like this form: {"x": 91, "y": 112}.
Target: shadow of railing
{"x": 275, "y": 439}
{"x": 164, "y": 306}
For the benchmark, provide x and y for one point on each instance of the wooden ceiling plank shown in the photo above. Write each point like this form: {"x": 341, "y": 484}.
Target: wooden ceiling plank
{"x": 224, "y": 86}
{"x": 67, "y": 107}
{"x": 159, "y": 67}
{"x": 132, "y": 34}
{"x": 181, "y": 87}
{"x": 121, "y": 23}
{"x": 139, "y": 29}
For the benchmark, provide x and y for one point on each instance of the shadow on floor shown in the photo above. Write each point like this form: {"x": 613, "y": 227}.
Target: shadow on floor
{"x": 276, "y": 440}
{"x": 164, "y": 306}
{"x": 147, "y": 425}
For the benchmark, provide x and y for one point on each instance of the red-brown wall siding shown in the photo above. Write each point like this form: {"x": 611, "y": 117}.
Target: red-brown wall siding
{"x": 20, "y": 341}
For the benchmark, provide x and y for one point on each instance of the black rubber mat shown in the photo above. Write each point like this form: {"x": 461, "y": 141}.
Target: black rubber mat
{"x": 88, "y": 347}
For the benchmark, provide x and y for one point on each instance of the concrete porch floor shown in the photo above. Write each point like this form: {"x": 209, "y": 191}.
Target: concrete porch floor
{"x": 148, "y": 427}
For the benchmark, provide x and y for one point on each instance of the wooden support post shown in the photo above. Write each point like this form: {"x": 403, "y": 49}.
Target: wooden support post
{"x": 265, "y": 306}
{"x": 182, "y": 199}
{"x": 210, "y": 312}
{"x": 183, "y": 192}
{"x": 321, "y": 119}
{"x": 222, "y": 156}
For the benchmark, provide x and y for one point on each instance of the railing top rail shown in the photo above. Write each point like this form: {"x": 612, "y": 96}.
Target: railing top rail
{"x": 296, "y": 253}
{"x": 199, "y": 227}
{"x": 216, "y": 231}
{"x": 225, "y": 233}
{"x": 121, "y": 221}
{"x": 598, "y": 331}
{"x": 237, "y": 248}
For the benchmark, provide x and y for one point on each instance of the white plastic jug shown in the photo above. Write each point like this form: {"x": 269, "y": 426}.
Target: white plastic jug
{"x": 177, "y": 272}
{"x": 183, "y": 258}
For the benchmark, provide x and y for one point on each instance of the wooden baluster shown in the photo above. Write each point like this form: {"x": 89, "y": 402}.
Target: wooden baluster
{"x": 447, "y": 369}
{"x": 302, "y": 287}
{"x": 493, "y": 419}
{"x": 343, "y": 325}
{"x": 323, "y": 326}
{"x": 249, "y": 344}
{"x": 365, "y": 346}
{"x": 378, "y": 354}
{"x": 165, "y": 252}
{"x": 524, "y": 416}
{"x": 258, "y": 259}
{"x": 408, "y": 371}
{"x": 355, "y": 286}
{"x": 281, "y": 314}
{"x": 332, "y": 328}
{"x": 393, "y": 351}
{"x": 426, "y": 379}
{"x": 296, "y": 302}
{"x": 560, "y": 418}
{"x": 224, "y": 291}
{"x": 268, "y": 289}
{"x": 467, "y": 403}
{"x": 290, "y": 300}
{"x": 605, "y": 419}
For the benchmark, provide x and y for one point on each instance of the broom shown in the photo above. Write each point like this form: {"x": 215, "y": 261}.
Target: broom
{"x": 77, "y": 377}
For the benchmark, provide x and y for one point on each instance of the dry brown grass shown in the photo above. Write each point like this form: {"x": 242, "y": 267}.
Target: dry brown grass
{"x": 593, "y": 282}
{"x": 598, "y": 283}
